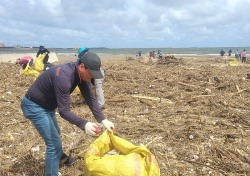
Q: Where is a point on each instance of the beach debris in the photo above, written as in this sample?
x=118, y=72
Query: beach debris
x=35, y=148
x=169, y=59
x=153, y=99
x=205, y=131
x=129, y=58
x=207, y=91
x=248, y=75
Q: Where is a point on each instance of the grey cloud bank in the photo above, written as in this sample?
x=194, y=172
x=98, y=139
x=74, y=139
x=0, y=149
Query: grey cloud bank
x=125, y=24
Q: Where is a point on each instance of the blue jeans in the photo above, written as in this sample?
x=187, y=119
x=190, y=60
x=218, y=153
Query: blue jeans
x=46, y=124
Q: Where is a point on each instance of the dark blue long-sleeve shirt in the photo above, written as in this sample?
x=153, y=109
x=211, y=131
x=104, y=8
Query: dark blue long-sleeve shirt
x=41, y=51
x=52, y=90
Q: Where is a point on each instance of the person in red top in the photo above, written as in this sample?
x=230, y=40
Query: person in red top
x=244, y=56
x=23, y=61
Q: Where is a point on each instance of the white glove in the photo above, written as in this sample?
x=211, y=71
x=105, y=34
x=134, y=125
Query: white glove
x=109, y=125
x=91, y=129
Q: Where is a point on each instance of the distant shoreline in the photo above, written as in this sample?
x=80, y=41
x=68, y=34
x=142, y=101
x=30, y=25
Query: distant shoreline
x=73, y=56
x=123, y=52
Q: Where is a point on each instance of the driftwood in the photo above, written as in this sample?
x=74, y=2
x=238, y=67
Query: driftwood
x=117, y=99
x=203, y=96
x=236, y=93
x=147, y=102
x=189, y=85
x=153, y=98
x=168, y=62
x=15, y=123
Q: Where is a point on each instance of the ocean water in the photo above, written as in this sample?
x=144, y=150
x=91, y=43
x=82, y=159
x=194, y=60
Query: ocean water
x=132, y=51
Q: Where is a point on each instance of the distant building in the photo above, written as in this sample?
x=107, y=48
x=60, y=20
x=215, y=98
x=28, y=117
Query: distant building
x=2, y=45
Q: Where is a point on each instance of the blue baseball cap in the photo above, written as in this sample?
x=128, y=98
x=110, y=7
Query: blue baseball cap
x=82, y=50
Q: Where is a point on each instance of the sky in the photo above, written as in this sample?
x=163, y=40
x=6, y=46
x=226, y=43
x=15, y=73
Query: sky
x=125, y=23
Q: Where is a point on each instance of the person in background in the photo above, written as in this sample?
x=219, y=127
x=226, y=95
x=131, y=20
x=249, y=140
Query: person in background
x=222, y=52
x=237, y=54
x=159, y=53
x=153, y=54
x=82, y=51
x=150, y=54
x=43, y=50
x=229, y=52
x=136, y=55
x=99, y=93
x=24, y=61
x=97, y=83
x=139, y=53
x=244, y=56
x=46, y=62
x=52, y=90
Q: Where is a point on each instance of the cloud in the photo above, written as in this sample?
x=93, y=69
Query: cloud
x=134, y=23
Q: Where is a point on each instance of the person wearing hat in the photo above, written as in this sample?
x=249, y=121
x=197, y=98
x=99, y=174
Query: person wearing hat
x=52, y=90
x=82, y=51
x=43, y=50
x=97, y=83
x=24, y=61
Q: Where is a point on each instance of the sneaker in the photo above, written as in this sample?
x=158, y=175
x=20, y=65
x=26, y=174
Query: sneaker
x=66, y=160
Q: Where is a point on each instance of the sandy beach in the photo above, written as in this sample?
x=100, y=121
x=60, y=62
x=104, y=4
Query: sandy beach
x=192, y=113
x=53, y=57
x=12, y=57
x=103, y=56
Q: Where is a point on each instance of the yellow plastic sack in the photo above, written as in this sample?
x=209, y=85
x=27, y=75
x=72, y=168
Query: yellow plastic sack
x=233, y=62
x=38, y=64
x=29, y=71
x=77, y=90
x=131, y=161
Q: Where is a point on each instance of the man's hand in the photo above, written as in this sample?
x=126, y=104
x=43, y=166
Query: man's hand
x=91, y=129
x=108, y=125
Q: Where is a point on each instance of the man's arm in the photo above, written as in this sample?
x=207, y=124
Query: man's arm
x=46, y=51
x=62, y=93
x=85, y=88
x=38, y=53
